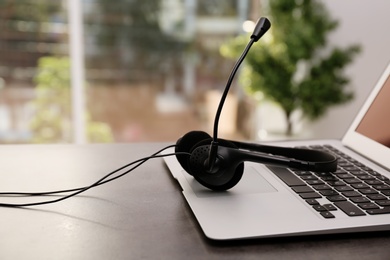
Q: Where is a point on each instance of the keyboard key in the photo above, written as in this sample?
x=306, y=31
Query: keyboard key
x=383, y=203
x=351, y=194
x=336, y=198
x=376, y=197
x=360, y=186
x=314, y=182
x=351, y=168
x=309, y=177
x=368, y=191
x=368, y=206
x=385, y=210
x=339, y=171
x=327, y=214
x=302, y=173
x=374, y=173
x=382, y=187
x=383, y=178
x=359, y=199
x=358, y=173
x=323, y=174
x=329, y=178
x=286, y=176
x=344, y=163
x=373, y=182
x=343, y=188
x=353, y=181
x=312, y=202
x=302, y=189
x=329, y=207
x=310, y=195
x=345, y=176
x=349, y=208
x=366, y=177
x=358, y=164
x=336, y=183
x=319, y=208
x=386, y=192
x=321, y=187
x=329, y=192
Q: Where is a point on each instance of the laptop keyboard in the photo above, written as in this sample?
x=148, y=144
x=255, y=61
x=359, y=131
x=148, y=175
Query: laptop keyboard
x=354, y=188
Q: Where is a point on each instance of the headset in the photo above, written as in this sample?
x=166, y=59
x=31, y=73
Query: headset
x=217, y=164
x=229, y=164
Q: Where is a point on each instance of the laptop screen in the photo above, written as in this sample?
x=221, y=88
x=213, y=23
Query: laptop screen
x=375, y=124
x=369, y=134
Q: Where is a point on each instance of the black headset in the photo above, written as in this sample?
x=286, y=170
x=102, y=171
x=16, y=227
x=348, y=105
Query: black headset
x=218, y=164
x=231, y=155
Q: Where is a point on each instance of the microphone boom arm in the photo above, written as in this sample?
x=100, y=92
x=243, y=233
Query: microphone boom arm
x=261, y=28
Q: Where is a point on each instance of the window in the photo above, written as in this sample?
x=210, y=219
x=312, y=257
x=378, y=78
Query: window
x=150, y=68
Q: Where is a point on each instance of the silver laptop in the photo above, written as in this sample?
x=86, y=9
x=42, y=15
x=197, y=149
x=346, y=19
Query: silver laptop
x=356, y=198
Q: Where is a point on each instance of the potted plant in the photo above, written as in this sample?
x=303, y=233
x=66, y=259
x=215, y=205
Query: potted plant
x=293, y=66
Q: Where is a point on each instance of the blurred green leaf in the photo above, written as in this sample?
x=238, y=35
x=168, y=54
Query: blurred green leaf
x=52, y=119
x=292, y=65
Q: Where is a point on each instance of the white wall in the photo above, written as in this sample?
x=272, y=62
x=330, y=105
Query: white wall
x=366, y=22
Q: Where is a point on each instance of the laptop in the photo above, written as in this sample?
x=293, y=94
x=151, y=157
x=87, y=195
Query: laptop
x=281, y=202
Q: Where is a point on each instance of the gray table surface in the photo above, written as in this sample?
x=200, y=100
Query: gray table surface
x=142, y=215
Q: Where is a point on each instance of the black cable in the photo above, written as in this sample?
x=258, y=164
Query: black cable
x=83, y=189
x=45, y=193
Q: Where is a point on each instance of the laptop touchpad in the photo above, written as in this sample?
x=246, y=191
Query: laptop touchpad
x=251, y=182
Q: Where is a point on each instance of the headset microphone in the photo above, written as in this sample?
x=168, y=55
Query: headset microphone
x=262, y=26
x=218, y=164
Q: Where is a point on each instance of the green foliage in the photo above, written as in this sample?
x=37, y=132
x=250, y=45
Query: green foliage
x=292, y=65
x=52, y=120
x=27, y=10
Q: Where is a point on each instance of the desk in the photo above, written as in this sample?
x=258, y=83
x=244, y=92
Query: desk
x=139, y=216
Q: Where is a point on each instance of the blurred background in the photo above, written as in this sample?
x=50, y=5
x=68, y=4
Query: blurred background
x=94, y=71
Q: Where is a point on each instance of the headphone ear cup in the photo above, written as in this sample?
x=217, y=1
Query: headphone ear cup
x=186, y=143
x=227, y=175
